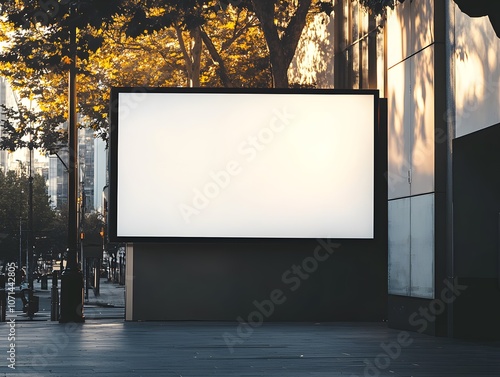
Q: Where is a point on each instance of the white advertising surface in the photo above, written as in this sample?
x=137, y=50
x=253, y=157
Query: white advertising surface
x=245, y=165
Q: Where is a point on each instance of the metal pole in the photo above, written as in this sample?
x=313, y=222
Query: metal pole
x=20, y=264
x=54, y=294
x=450, y=106
x=29, y=260
x=71, y=277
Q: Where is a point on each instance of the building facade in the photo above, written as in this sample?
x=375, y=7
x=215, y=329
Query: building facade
x=6, y=98
x=444, y=196
x=19, y=160
x=86, y=165
x=439, y=70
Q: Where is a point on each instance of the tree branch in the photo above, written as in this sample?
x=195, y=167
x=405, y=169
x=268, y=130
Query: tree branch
x=196, y=54
x=294, y=29
x=214, y=54
x=187, y=58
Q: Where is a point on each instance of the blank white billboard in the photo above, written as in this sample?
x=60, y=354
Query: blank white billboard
x=236, y=164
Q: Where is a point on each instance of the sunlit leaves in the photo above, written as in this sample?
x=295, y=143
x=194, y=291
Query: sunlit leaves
x=240, y=42
x=146, y=43
x=27, y=128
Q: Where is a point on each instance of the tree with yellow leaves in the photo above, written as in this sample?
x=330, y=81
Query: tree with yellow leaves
x=227, y=50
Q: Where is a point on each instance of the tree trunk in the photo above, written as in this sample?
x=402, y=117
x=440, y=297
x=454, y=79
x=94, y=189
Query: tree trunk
x=264, y=10
x=281, y=50
x=196, y=54
x=214, y=54
x=192, y=57
x=279, y=65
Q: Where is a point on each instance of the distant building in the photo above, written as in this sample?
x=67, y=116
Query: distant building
x=58, y=180
x=19, y=159
x=92, y=170
x=100, y=165
x=7, y=98
x=86, y=168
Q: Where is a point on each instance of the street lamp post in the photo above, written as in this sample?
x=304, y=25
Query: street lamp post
x=71, y=277
x=20, y=263
x=29, y=256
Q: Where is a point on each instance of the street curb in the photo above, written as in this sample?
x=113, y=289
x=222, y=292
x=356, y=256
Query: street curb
x=102, y=304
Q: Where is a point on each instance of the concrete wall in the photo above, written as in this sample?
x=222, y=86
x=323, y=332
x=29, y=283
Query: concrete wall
x=476, y=204
x=476, y=58
x=444, y=100
x=475, y=61
x=443, y=82
x=410, y=78
x=231, y=281
x=416, y=157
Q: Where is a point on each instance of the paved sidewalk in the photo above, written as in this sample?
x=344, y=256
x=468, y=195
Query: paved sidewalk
x=110, y=295
x=201, y=349
x=109, y=304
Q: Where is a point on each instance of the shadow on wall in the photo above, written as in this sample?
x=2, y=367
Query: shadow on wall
x=481, y=8
x=477, y=74
x=411, y=86
x=313, y=61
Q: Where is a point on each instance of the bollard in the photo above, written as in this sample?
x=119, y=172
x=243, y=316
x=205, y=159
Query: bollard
x=3, y=300
x=54, y=297
x=44, y=282
x=30, y=301
x=3, y=305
